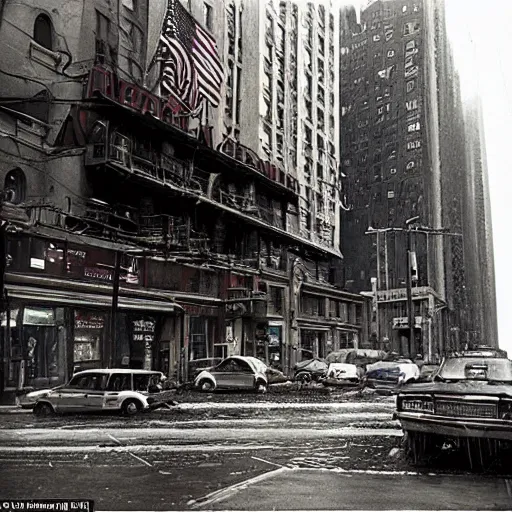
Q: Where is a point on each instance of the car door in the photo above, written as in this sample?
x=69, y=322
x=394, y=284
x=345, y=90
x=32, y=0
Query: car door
x=234, y=374
x=95, y=396
x=117, y=382
x=72, y=397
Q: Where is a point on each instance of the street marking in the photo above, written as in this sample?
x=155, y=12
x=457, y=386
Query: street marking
x=129, y=452
x=227, y=492
x=268, y=462
x=372, y=406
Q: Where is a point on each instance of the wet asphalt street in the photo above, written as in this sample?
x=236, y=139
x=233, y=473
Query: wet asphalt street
x=237, y=453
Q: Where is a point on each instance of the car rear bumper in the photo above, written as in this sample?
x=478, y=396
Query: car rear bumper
x=451, y=427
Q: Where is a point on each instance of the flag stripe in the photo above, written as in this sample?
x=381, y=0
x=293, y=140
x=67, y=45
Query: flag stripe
x=191, y=67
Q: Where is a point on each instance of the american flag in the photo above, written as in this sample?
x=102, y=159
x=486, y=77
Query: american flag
x=191, y=67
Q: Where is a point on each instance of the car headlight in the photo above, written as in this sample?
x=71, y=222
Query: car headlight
x=505, y=409
x=420, y=405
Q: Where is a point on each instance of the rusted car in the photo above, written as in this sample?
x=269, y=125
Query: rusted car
x=468, y=399
x=234, y=373
x=106, y=390
x=390, y=375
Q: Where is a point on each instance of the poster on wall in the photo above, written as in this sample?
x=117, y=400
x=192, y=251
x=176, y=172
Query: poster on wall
x=143, y=336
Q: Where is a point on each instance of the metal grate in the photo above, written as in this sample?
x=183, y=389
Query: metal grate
x=449, y=408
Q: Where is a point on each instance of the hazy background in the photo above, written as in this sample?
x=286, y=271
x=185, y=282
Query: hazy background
x=481, y=36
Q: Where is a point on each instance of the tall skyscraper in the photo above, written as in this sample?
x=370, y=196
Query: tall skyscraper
x=480, y=268
x=403, y=158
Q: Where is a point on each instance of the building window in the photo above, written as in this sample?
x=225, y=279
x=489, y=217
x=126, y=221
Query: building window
x=414, y=145
x=15, y=186
x=275, y=300
x=411, y=105
x=391, y=53
x=392, y=170
x=376, y=38
x=414, y=127
x=208, y=15
x=410, y=85
x=410, y=165
x=43, y=31
x=391, y=194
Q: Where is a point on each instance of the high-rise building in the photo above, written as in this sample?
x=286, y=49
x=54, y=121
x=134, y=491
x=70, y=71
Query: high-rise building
x=281, y=98
x=402, y=152
x=480, y=268
x=133, y=236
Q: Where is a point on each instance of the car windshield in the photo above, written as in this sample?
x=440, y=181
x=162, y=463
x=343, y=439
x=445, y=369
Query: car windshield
x=476, y=368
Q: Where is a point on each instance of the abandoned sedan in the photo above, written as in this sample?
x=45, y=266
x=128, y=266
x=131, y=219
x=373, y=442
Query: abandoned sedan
x=236, y=372
x=470, y=398
x=121, y=390
x=391, y=375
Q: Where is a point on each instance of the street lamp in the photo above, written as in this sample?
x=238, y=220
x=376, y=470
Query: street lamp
x=410, y=307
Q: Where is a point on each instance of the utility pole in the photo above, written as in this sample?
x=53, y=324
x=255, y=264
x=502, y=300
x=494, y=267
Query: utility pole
x=408, y=229
x=410, y=305
x=113, y=313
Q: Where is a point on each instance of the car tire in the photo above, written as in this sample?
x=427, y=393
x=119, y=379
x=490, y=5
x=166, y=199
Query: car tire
x=131, y=407
x=303, y=377
x=261, y=387
x=43, y=410
x=206, y=385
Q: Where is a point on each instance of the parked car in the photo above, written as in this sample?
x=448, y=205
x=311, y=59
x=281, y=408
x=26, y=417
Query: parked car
x=390, y=375
x=196, y=366
x=235, y=372
x=310, y=370
x=121, y=390
x=342, y=374
x=470, y=398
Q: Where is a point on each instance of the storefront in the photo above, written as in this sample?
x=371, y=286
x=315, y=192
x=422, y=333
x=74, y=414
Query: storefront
x=48, y=333
x=314, y=341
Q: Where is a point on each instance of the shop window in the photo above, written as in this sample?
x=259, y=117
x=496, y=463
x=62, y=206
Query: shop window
x=43, y=31
x=88, y=336
x=198, y=332
x=15, y=186
x=46, y=256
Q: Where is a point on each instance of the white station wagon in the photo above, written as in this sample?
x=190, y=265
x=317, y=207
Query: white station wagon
x=122, y=390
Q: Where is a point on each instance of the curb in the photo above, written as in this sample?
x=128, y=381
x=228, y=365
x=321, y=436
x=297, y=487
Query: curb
x=13, y=410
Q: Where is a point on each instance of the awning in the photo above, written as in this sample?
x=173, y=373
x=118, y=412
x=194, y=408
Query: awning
x=71, y=298
x=314, y=327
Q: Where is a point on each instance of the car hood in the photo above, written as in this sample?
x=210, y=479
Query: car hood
x=460, y=388
x=312, y=365
x=39, y=393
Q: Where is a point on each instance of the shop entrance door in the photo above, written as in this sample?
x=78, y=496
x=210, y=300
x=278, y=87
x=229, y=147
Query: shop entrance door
x=42, y=348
